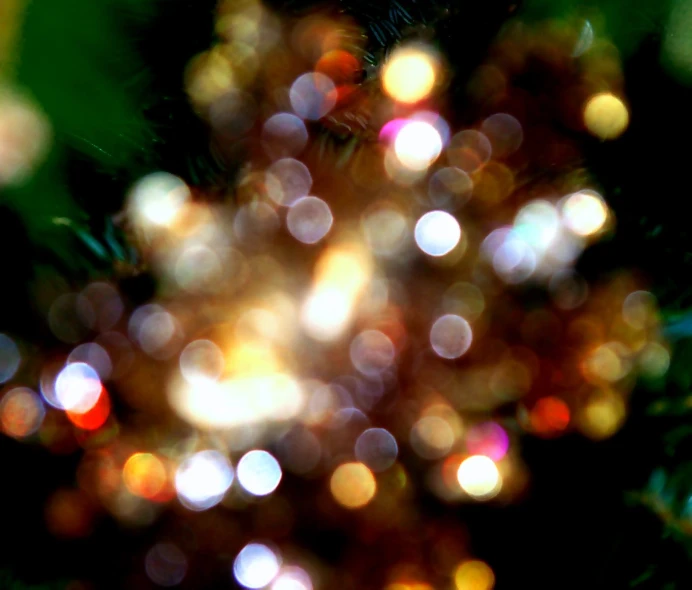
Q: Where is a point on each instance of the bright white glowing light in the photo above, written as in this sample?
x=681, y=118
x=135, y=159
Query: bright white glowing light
x=256, y=566
x=292, y=578
x=201, y=360
x=312, y=96
x=417, y=145
x=584, y=212
x=326, y=313
x=479, y=477
x=409, y=75
x=259, y=473
x=451, y=336
x=158, y=198
x=237, y=401
x=203, y=479
x=77, y=388
x=309, y=220
x=437, y=233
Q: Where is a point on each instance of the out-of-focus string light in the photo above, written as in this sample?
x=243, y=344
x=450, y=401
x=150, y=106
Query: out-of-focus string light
x=437, y=233
x=288, y=180
x=77, y=388
x=352, y=485
x=489, y=439
x=372, y=352
x=201, y=361
x=410, y=74
x=95, y=417
x=479, y=477
x=341, y=275
x=284, y=136
x=259, y=473
x=377, y=448
x=25, y=136
x=474, y=575
x=165, y=564
x=606, y=116
x=157, y=199
x=312, y=96
x=309, y=220
x=9, y=358
x=584, y=212
x=292, y=578
x=450, y=336
x=256, y=566
x=93, y=355
x=432, y=437
x=202, y=480
x=21, y=412
x=603, y=415
x=469, y=150
x=144, y=475
x=504, y=133
x=236, y=401
x=450, y=187
x=550, y=416
x=417, y=145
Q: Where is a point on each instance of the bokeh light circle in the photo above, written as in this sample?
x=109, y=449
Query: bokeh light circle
x=437, y=233
x=353, y=485
x=451, y=336
x=202, y=479
x=259, y=473
x=309, y=220
x=256, y=566
x=479, y=477
x=377, y=448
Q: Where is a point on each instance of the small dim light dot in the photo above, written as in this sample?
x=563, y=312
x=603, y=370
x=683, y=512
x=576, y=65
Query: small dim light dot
x=409, y=75
x=474, y=575
x=585, y=213
x=479, y=477
x=144, y=475
x=352, y=485
x=606, y=116
x=165, y=564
